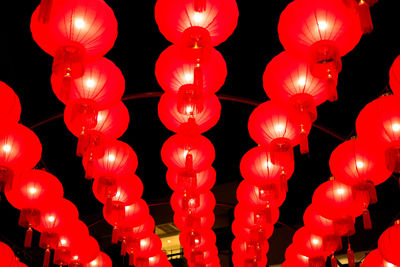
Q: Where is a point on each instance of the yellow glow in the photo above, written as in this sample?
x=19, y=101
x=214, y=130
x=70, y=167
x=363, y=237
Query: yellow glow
x=6, y=148
x=80, y=23
x=169, y=241
x=340, y=191
x=279, y=127
x=143, y=242
x=90, y=83
x=196, y=241
x=268, y=164
x=315, y=241
x=63, y=242
x=322, y=25
x=198, y=17
x=93, y=263
x=189, y=109
x=396, y=127
x=301, y=81
x=118, y=194
x=152, y=259
x=360, y=164
x=111, y=157
x=51, y=218
x=99, y=118
x=189, y=77
x=76, y=257
x=32, y=190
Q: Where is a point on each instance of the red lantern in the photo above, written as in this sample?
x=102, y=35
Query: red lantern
x=85, y=251
x=193, y=239
x=252, y=217
x=242, y=260
x=362, y=8
x=7, y=255
x=196, y=182
x=74, y=32
x=158, y=259
x=119, y=159
x=388, y=244
x=145, y=247
x=197, y=257
x=374, y=259
x=380, y=121
x=10, y=107
x=295, y=87
x=101, y=82
x=30, y=194
x=136, y=232
x=251, y=250
x=192, y=203
x=394, y=76
x=20, y=150
x=259, y=234
x=195, y=153
x=320, y=32
x=257, y=168
x=294, y=257
x=102, y=260
x=177, y=121
x=273, y=126
x=190, y=222
x=173, y=71
x=95, y=127
x=215, y=19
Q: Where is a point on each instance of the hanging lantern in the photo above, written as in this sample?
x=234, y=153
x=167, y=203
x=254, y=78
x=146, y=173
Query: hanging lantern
x=201, y=257
x=145, y=247
x=7, y=255
x=94, y=127
x=362, y=7
x=388, y=244
x=294, y=87
x=259, y=234
x=121, y=191
x=380, y=121
x=374, y=259
x=158, y=259
x=119, y=159
x=85, y=251
x=188, y=153
x=74, y=32
x=102, y=260
x=251, y=249
x=101, y=82
x=30, y=194
x=122, y=216
x=256, y=217
x=295, y=258
x=20, y=150
x=320, y=32
x=10, y=107
x=394, y=76
x=273, y=126
x=193, y=204
x=173, y=70
x=195, y=182
x=190, y=222
x=196, y=20
x=242, y=260
x=257, y=168
x=201, y=239
x=177, y=121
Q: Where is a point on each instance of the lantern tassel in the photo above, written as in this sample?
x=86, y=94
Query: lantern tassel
x=268, y=215
x=123, y=248
x=350, y=257
x=46, y=260
x=45, y=10
x=367, y=219
x=28, y=238
x=365, y=16
x=284, y=185
x=108, y=205
x=373, y=197
x=331, y=84
x=304, y=149
x=114, y=236
x=89, y=174
x=131, y=259
x=333, y=261
x=66, y=85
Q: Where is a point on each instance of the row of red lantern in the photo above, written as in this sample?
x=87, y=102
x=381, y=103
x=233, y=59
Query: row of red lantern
x=315, y=34
x=358, y=165
x=39, y=195
x=190, y=72
x=77, y=35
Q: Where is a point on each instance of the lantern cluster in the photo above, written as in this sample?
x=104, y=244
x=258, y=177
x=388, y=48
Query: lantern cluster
x=38, y=194
x=191, y=71
x=7, y=257
x=78, y=34
x=357, y=166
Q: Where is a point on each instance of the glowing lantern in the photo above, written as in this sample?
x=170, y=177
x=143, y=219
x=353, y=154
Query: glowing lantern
x=292, y=256
x=190, y=222
x=30, y=194
x=362, y=7
x=259, y=234
x=188, y=153
x=199, y=182
x=118, y=160
x=215, y=19
x=273, y=126
x=374, y=259
x=174, y=71
x=143, y=248
x=380, y=121
x=242, y=260
x=20, y=150
x=201, y=257
x=158, y=259
x=10, y=107
x=295, y=87
x=74, y=32
x=102, y=260
x=177, y=121
x=102, y=82
x=7, y=255
x=202, y=239
x=394, y=76
x=257, y=168
x=253, y=217
x=388, y=244
x=193, y=204
x=251, y=250
x=94, y=127
x=320, y=32
x=85, y=251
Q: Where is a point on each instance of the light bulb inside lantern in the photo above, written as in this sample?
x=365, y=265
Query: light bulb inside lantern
x=100, y=118
x=80, y=23
x=32, y=190
x=118, y=194
x=51, y=218
x=152, y=259
x=268, y=164
x=189, y=110
x=90, y=83
x=198, y=17
x=63, y=242
x=6, y=148
x=322, y=25
x=279, y=127
x=315, y=241
x=396, y=127
x=360, y=164
x=143, y=242
x=189, y=78
x=340, y=191
x=111, y=157
x=93, y=263
x=197, y=241
x=75, y=257
x=301, y=81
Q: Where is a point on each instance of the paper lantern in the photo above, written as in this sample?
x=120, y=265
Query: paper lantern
x=10, y=107
x=177, y=121
x=251, y=249
x=158, y=259
x=101, y=82
x=253, y=216
x=85, y=251
x=242, y=260
x=259, y=234
x=74, y=32
x=173, y=70
x=178, y=19
x=192, y=203
x=20, y=150
x=379, y=121
x=188, y=153
x=294, y=257
x=145, y=247
x=364, y=14
x=388, y=244
x=138, y=231
x=320, y=32
x=196, y=182
x=394, y=76
x=191, y=222
x=198, y=257
x=203, y=239
x=374, y=259
x=102, y=260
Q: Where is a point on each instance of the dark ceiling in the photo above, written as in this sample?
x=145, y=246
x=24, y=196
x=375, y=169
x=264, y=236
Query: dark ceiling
x=27, y=69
